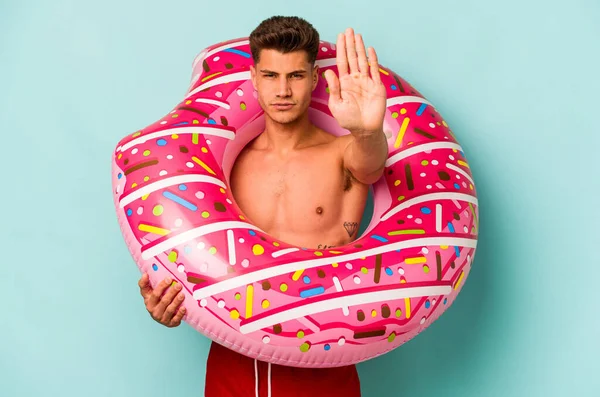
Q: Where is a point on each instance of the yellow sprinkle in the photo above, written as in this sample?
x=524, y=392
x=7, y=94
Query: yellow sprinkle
x=145, y=196
x=204, y=150
x=146, y=178
x=238, y=296
x=364, y=270
x=335, y=264
x=265, y=304
x=275, y=243
x=401, y=133
x=318, y=253
x=297, y=274
x=212, y=250
x=234, y=314
x=242, y=217
x=426, y=268
x=205, y=214
x=463, y=163
x=175, y=115
x=249, y=298
x=195, y=139
x=384, y=72
x=195, y=122
x=133, y=185
x=283, y=287
x=415, y=260
x=300, y=334
x=158, y=210
x=444, y=247
x=471, y=186
x=153, y=229
x=188, y=102
x=394, y=115
x=397, y=182
x=459, y=279
x=407, y=304
x=201, y=164
x=211, y=76
x=304, y=347
x=398, y=313
x=392, y=337
x=258, y=249
x=335, y=252
x=373, y=313
x=173, y=256
x=243, y=106
x=136, y=134
x=402, y=111
x=174, y=136
x=146, y=153
x=445, y=125
x=119, y=156
x=222, y=190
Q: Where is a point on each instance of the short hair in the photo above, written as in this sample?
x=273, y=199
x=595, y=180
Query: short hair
x=285, y=34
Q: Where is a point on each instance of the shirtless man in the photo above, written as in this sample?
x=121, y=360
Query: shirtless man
x=300, y=184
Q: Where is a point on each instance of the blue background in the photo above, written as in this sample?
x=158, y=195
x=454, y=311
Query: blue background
x=516, y=80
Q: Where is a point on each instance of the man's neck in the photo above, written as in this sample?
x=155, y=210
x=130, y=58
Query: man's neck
x=284, y=138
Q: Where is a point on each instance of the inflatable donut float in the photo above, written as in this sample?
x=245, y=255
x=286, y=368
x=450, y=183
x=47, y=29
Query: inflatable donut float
x=271, y=300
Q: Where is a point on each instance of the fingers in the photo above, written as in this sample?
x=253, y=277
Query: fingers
x=155, y=296
x=351, y=51
x=342, y=61
x=362, y=56
x=165, y=301
x=144, y=284
x=334, y=85
x=173, y=308
x=374, y=64
x=176, y=320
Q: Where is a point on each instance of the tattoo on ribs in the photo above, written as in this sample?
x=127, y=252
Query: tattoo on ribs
x=351, y=227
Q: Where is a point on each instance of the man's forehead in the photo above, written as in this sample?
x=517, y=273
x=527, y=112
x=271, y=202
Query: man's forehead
x=273, y=59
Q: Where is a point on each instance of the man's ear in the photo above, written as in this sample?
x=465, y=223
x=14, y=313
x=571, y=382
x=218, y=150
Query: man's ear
x=315, y=76
x=253, y=75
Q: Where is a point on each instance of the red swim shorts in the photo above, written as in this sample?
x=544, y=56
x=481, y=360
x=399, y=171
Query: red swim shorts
x=230, y=374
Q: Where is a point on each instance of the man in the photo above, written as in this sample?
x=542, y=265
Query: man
x=298, y=183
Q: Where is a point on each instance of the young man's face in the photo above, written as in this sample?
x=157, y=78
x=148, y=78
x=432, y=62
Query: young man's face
x=284, y=83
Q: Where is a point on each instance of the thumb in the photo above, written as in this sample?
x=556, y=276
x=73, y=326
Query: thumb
x=144, y=284
x=334, y=85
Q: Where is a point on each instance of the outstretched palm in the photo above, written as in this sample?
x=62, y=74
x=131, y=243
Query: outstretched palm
x=358, y=97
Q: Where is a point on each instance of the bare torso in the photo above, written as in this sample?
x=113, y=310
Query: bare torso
x=304, y=197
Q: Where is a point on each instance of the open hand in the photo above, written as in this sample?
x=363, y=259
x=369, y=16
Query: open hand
x=358, y=97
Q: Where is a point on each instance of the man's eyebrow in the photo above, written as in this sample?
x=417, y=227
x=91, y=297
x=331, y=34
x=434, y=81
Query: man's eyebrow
x=272, y=72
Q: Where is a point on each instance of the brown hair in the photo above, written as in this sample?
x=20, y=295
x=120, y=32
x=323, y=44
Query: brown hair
x=285, y=34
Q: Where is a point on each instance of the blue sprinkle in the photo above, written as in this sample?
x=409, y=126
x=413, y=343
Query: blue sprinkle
x=154, y=267
x=312, y=292
x=379, y=238
x=129, y=212
x=211, y=121
x=451, y=227
x=445, y=300
x=161, y=142
x=304, y=249
x=306, y=279
x=120, y=175
x=398, y=250
x=187, y=249
x=457, y=186
x=425, y=210
x=421, y=109
x=394, y=87
x=234, y=51
x=327, y=347
x=182, y=187
x=427, y=305
x=252, y=232
x=388, y=271
x=180, y=201
x=182, y=123
x=457, y=251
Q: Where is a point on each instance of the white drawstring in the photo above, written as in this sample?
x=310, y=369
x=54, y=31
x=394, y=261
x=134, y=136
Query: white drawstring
x=269, y=377
x=256, y=378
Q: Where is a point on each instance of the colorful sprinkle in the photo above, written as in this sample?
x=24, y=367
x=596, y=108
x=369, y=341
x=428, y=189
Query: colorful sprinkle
x=161, y=142
x=158, y=210
x=258, y=249
x=306, y=280
x=312, y=292
x=425, y=210
x=283, y=287
x=172, y=256
x=305, y=347
x=180, y=201
x=154, y=267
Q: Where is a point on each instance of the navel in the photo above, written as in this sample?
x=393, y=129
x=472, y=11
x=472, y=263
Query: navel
x=319, y=210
